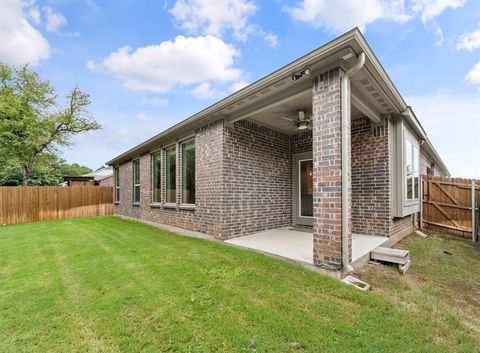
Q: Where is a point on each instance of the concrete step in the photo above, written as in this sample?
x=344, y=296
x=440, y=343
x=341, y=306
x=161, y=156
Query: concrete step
x=396, y=256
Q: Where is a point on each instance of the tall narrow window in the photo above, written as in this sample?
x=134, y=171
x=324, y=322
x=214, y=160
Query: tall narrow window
x=188, y=172
x=117, y=184
x=156, y=177
x=411, y=169
x=136, y=180
x=170, y=177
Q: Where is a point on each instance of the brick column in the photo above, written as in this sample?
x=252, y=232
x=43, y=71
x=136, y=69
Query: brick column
x=327, y=164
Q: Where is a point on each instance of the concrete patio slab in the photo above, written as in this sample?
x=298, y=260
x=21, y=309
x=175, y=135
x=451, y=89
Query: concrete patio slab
x=363, y=244
x=292, y=244
x=298, y=245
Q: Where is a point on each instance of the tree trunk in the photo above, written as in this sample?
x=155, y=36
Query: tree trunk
x=27, y=169
x=26, y=175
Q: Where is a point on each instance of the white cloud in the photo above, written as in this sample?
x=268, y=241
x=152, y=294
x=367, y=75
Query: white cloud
x=214, y=17
x=70, y=34
x=143, y=116
x=204, y=91
x=20, y=42
x=271, y=39
x=182, y=62
x=429, y=9
x=158, y=101
x=439, y=34
x=34, y=14
x=339, y=16
x=237, y=86
x=456, y=143
x=54, y=19
x=474, y=75
x=91, y=65
x=470, y=40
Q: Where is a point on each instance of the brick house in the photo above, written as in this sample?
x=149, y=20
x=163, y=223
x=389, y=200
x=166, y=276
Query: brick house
x=325, y=143
x=103, y=176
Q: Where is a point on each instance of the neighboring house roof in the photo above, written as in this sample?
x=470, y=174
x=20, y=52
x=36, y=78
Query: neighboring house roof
x=78, y=177
x=101, y=173
x=335, y=52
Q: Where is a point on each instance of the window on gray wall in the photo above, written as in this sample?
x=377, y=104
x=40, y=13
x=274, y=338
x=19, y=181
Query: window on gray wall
x=411, y=169
x=170, y=174
x=188, y=172
x=136, y=181
x=157, y=177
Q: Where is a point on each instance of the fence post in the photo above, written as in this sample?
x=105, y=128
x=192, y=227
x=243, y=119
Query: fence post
x=473, y=210
x=420, y=183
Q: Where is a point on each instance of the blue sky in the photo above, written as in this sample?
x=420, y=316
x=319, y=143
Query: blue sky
x=151, y=64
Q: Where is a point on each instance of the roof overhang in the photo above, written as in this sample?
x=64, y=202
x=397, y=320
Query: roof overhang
x=78, y=177
x=278, y=85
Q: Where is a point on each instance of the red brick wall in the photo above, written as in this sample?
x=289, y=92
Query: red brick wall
x=258, y=179
x=208, y=169
x=371, y=182
x=106, y=181
x=301, y=142
x=327, y=163
x=372, y=196
x=401, y=225
x=243, y=182
x=209, y=183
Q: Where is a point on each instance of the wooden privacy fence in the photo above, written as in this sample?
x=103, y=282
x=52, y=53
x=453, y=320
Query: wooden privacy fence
x=450, y=205
x=25, y=204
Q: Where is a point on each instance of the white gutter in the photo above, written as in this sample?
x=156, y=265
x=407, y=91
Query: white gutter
x=346, y=122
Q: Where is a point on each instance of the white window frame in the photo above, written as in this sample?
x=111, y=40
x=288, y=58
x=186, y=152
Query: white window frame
x=182, y=203
x=116, y=180
x=135, y=161
x=410, y=141
x=159, y=152
x=402, y=206
x=164, y=182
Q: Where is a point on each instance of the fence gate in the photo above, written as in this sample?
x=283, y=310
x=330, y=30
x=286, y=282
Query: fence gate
x=450, y=205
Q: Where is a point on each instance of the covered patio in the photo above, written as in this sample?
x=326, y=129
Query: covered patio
x=297, y=245
x=314, y=152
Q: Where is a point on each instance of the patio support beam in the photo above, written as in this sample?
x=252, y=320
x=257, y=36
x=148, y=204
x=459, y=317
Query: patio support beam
x=327, y=169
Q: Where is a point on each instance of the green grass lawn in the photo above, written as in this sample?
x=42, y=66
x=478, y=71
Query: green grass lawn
x=109, y=285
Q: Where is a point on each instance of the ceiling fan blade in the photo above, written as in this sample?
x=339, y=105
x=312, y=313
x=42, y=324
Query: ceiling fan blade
x=286, y=118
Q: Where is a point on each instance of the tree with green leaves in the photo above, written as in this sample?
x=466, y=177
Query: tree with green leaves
x=48, y=169
x=32, y=124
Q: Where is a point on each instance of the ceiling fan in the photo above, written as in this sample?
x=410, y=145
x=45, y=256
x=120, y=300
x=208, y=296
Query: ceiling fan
x=301, y=122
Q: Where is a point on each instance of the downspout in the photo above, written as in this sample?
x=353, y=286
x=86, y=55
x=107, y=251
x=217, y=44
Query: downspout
x=345, y=91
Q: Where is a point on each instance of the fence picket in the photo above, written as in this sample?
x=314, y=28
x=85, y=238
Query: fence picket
x=26, y=204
